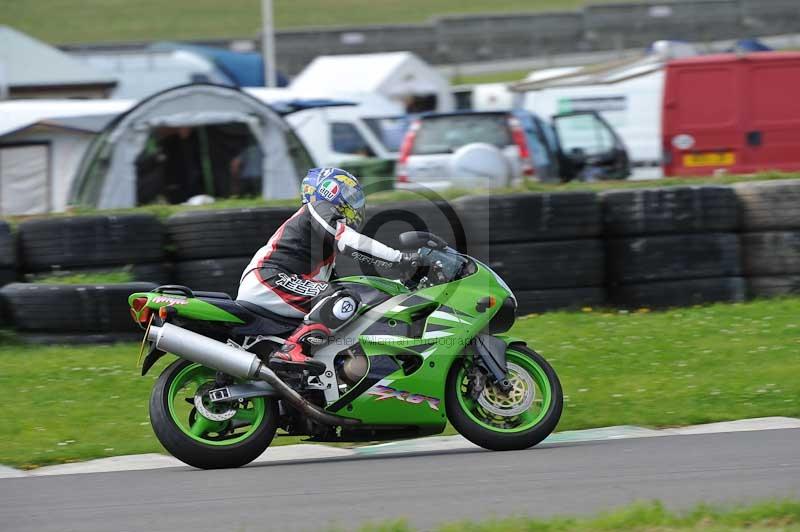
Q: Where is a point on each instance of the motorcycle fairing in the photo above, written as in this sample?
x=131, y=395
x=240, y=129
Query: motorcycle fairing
x=435, y=324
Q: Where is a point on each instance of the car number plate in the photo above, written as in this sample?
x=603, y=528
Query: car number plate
x=722, y=158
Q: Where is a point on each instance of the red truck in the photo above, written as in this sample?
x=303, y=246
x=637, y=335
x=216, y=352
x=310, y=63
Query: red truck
x=732, y=113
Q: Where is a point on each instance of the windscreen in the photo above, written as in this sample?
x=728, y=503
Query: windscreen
x=390, y=131
x=445, y=134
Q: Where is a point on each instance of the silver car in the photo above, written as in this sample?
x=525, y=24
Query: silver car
x=509, y=146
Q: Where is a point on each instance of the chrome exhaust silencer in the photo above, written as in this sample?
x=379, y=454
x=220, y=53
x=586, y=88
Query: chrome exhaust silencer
x=236, y=362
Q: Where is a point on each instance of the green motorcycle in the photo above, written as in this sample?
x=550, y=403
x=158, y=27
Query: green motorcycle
x=422, y=352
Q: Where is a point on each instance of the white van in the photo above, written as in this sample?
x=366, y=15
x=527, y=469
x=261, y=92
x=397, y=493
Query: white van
x=627, y=93
x=373, y=126
x=632, y=106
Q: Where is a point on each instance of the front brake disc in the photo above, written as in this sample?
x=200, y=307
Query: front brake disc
x=518, y=400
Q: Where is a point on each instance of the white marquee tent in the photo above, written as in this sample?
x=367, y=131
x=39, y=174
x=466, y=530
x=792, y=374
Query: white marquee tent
x=42, y=143
x=399, y=76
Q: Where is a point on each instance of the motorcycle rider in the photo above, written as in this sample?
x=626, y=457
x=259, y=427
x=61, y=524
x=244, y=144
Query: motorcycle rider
x=290, y=275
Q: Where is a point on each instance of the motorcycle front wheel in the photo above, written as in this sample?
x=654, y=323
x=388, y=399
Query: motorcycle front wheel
x=499, y=421
x=203, y=434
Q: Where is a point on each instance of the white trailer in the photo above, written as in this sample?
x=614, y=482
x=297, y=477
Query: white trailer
x=629, y=95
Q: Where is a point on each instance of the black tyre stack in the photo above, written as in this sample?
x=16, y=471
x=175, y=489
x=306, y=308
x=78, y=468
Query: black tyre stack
x=212, y=248
x=672, y=246
x=8, y=255
x=548, y=247
x=82, y=244
x=83, y=313
x=8, y=266
x=770, y=214
x=86, y=244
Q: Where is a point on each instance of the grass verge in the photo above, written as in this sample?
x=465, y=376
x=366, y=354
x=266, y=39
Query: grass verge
x=109, y=277
x=117, y=20
x=506, y=76
x=773, y=515
x=679, y=367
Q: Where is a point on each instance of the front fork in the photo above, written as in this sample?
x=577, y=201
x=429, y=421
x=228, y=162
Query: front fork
x=491, y=352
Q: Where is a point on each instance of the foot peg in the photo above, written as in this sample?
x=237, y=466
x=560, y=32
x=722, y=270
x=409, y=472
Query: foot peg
x=314, y=367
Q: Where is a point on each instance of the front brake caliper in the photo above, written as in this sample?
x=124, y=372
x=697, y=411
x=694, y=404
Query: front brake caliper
x=477, y=381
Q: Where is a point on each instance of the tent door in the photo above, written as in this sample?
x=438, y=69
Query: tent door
x=24, y=179
x=219, y=160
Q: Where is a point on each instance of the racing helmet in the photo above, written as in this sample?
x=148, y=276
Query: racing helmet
x=338, y=187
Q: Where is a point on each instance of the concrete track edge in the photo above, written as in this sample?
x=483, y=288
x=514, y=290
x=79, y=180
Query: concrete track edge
x=435, y=444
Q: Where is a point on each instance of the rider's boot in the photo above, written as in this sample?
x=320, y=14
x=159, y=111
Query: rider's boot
x=291, y=359
x=330, y=313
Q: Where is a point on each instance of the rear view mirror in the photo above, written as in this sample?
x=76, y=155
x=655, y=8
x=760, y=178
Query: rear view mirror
x=421, y=239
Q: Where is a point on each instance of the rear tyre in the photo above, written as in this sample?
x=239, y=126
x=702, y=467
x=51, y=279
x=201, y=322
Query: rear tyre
x=239, y=433
x=505, y=422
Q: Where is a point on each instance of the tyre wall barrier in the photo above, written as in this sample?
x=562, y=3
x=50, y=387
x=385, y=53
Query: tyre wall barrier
x=211, y=248
x=509, y=218
x=672, y=246
x=8, y=257
x=770, y=225
x=212, y=275
x=631, y=248
x=703, y=209
x=71, y=309
x=222, y=233
x=548, y=247
x=93, y=244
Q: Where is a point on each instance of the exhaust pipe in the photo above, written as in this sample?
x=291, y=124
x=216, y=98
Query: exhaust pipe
x=236, y=362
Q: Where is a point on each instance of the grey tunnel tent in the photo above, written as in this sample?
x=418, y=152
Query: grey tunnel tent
x=222, y=118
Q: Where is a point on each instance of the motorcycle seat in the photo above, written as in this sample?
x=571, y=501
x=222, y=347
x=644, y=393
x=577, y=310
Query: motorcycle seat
x=282, y=322
x=212, y=295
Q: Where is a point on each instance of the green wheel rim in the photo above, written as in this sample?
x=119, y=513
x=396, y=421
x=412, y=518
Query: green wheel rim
x=543, y=398
x=247, y=419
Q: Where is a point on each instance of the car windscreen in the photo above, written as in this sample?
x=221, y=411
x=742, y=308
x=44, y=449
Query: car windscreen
x=389, y=130
x=445, y=134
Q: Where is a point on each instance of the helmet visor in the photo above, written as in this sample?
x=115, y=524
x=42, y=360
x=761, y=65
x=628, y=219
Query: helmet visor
x=354, y=197
x=355, y=210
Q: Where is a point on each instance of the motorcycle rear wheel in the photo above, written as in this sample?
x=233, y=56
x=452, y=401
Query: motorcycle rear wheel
x=504, y=422
x=241, y=432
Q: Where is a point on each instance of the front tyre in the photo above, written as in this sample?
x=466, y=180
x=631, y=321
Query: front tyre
x=504, y=422
x=203, y=434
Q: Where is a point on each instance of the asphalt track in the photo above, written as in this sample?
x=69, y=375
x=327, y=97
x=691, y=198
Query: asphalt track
x=427, y=488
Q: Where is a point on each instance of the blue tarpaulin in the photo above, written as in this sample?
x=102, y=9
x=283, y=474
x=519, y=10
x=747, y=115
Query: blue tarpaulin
x=750, y=45
x=244, y=69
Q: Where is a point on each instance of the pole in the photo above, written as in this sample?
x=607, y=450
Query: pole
x=268, y=43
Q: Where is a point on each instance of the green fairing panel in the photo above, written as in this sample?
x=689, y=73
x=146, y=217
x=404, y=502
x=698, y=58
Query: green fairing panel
x=418, y=398
x=388, y=286
x=191, y=308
